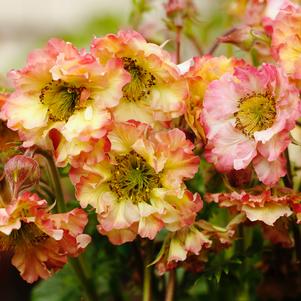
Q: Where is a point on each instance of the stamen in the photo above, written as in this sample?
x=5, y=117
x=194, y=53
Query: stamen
x=255, y=113
x=141, y=82
x=134, y=178
x=61, y=98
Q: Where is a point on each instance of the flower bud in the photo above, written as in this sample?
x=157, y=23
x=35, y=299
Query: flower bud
x=245, y=37
x=21, y=172
x=174, y=7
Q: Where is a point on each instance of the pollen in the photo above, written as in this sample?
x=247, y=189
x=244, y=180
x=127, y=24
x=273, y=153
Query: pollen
x=141, y=82
x=133, y=178
x=255, y=113
x=61, y=99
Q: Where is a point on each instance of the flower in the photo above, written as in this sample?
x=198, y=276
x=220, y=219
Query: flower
x=195, y=239
x=180, y=244
x=65, y=90
x=247, y=117
x=203, y=71
x=40, y=241
x=156, y=91
x=9, y=139
x=286, y=40
x=258, y=206
x=140, y=188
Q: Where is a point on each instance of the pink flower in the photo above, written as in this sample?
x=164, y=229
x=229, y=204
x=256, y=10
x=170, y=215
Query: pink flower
x=140, y=189
x=40, y=241
x=247, y=117
x=204, y=70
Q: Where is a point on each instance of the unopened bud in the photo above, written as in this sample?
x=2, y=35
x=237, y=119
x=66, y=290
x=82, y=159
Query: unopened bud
x=174, y=6
x=245, y=37
x=178, y=10
x=21, y=172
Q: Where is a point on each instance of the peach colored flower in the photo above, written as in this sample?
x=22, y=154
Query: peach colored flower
x=38, y=240
x=67, y=90
x=258, y=206
x=196, y=239
x=247, y=117
x=286, y=40
x=156, y=91
x=141, y=188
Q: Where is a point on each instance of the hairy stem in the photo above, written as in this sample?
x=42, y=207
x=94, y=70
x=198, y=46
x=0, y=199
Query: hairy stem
x=171, y=284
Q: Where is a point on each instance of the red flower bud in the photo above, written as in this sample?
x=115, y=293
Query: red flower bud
x=21, y=172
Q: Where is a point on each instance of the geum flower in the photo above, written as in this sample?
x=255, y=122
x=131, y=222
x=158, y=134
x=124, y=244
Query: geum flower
x=38, y=240
x=265, y=206
x=247, y=117
x=140, y=189
x=63, y=94
x=286, y=40
x=201, y=73
x=156, y=91
x=195, y=241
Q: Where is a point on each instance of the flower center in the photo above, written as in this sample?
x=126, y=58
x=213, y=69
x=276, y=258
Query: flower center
x=28, y=235
x=61, y=98
x=255, y=113
x=141, y=81
x=133, y=178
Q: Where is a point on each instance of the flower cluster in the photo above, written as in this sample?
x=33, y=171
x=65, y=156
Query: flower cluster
x=127, y=119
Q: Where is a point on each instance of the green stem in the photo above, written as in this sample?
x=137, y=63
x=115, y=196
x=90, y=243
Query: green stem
x=288, y=179
x=87, y=283
x=170, y=285
x=55, y=181
x=147, y=296
x=78, y=264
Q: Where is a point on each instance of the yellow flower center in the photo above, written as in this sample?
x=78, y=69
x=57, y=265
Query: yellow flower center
x=134, y=178
x=141, y=81
x=28, y=235
x=255, y=113
x=61, y=99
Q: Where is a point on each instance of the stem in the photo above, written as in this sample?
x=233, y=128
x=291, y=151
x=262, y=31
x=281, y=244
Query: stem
x=296, y=233
x=217, y=41
x=55, y=179
x=78, y=264
x=178, y=44
x=195, y=43
x=87, y=284
x=288, y=179
x=170, y=285
x=147, y=296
